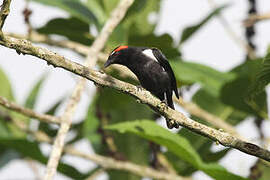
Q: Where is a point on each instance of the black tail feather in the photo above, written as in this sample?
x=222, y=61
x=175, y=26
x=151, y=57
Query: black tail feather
x=169, y=99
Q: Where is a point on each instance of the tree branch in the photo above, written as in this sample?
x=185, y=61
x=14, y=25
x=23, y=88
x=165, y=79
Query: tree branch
x=4, y=13
x=91, y=59
x=252, y=19
x=28, y=112
x=111, y=163
x=241, y=42
x=192, y=108
x=99, y=78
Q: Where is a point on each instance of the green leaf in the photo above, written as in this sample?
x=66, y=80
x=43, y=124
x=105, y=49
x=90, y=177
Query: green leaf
x=215, y=106
x=189, y=31
x=7, y=156
x=75, y=8
x=32, y=96
x=262, y=78
x=203, y=147
x=91, y=125
x=96, y=7
x=211, y=79
x=72, y=28
x=235, y=93
x=46, y=127
x=5, y=91
x=31, y=149
x=175, y=144
x=5, y=88
x=137, y=19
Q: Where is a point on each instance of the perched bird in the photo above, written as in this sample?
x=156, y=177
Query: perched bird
x=151, y=68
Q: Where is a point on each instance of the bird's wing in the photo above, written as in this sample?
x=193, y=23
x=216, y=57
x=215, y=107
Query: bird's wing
x=165, y=64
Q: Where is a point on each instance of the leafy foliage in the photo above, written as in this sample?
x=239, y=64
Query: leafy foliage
x=175, y=144
x=262, y=78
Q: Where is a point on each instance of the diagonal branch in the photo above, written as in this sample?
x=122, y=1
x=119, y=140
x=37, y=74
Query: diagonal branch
x=91, y=59
x=102, y=79
x=192, y=108
x=28, y=112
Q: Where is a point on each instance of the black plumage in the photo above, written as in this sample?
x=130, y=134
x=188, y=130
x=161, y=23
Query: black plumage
x=151, y=68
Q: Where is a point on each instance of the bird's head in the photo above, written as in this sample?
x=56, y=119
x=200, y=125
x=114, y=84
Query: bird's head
x=118, y=56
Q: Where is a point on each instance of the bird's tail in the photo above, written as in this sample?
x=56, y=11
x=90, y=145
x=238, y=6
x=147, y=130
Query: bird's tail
x=169, y=99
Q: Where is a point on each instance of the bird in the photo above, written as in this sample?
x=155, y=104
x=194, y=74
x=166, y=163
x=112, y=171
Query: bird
x=152, y=70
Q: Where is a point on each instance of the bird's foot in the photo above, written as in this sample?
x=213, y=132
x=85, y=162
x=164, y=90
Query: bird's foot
x=172, y=124
x=139, y=88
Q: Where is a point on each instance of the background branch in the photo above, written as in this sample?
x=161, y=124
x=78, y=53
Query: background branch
x=91, y=59
x=28, y=112
x=192, y=108
x=144, y=96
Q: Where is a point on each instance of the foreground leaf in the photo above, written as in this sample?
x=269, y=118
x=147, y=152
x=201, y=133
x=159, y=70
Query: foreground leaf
x=175, y=144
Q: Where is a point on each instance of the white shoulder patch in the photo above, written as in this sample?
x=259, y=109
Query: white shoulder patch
x=149, y=53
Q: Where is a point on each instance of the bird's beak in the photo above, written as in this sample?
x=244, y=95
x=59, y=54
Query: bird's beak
x=108, y=63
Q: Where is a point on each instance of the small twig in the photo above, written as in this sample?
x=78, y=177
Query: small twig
x=91, y=59
x=254, y=18
x=96, y=174
x=4, y=12
x=250, y=31
x=99, y=78
x=111, y=163
x=28, y=112
x=242, y=43
x=33, y=165
x=27, y=13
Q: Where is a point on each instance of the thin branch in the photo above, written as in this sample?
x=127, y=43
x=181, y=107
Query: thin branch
x=91, y=59
x=254, y=18
x=96, y=174
x=4, y=12
x=110, y=163
x=28, y=112
x=102, y=79
x=242, y=43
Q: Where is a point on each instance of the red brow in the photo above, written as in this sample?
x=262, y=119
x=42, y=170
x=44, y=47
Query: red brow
x=120, y=48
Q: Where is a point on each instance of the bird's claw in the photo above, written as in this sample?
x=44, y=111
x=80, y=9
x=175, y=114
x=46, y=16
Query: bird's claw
x=172, y=124
x=139, y=88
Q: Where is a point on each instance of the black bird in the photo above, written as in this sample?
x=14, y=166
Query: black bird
x=151, y=68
